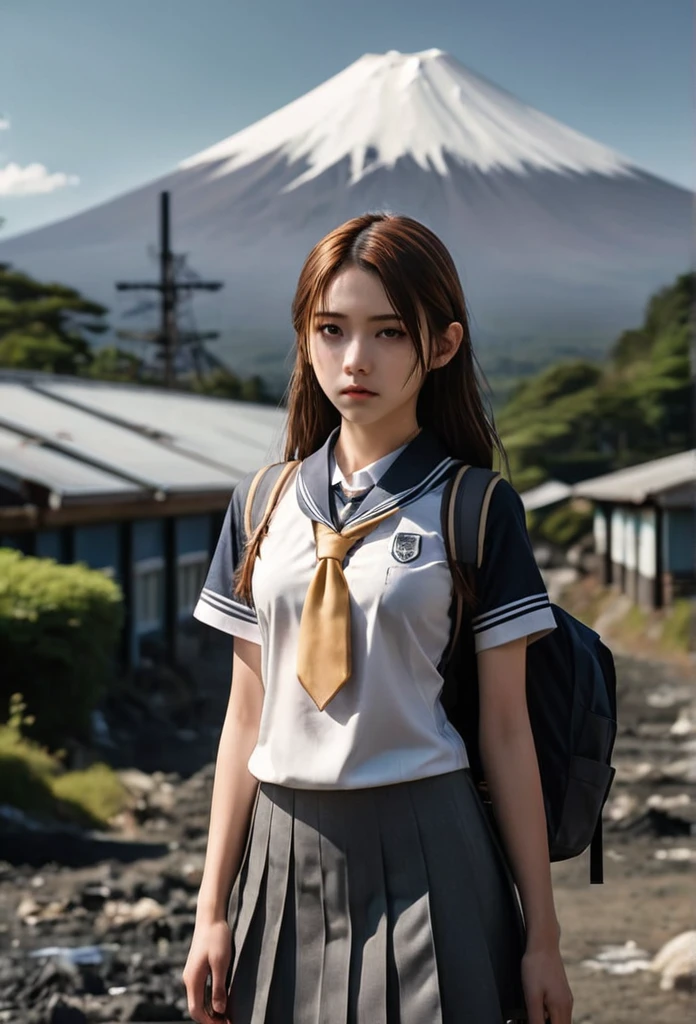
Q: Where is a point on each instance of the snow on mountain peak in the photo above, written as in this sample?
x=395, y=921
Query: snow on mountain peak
x=424, y=105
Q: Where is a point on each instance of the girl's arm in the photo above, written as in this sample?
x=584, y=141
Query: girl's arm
x=510, y=765
x=234, y=788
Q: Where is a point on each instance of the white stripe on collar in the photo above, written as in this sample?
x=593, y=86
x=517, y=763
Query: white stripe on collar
x=405, y=497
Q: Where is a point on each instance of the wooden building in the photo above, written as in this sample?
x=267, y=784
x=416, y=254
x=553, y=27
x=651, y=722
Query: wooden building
x=644, y=528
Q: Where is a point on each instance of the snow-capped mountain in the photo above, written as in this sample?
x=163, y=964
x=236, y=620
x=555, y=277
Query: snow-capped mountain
x=553, y=233
x=425, y=106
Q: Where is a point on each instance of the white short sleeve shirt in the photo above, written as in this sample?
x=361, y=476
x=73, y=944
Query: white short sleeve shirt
x=386, y=724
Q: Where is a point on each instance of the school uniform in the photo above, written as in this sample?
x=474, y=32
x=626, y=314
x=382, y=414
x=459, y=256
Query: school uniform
x=373, y=889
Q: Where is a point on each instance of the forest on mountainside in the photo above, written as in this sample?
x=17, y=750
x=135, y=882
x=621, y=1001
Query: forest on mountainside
x=579, y=418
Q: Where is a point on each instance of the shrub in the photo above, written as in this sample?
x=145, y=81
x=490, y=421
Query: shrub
x=59, y=626
x=678, y=632
x=565, y=525
x=97, y=790
x=35, y=781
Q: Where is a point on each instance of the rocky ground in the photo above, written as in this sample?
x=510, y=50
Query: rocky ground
x=106, y=938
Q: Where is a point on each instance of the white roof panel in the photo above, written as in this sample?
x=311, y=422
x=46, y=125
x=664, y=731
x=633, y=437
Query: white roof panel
x=28, y=460
x=637, y=483
x=153, y=463
x=236, y=436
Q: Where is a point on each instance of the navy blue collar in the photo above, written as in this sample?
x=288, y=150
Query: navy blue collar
x=422, y=465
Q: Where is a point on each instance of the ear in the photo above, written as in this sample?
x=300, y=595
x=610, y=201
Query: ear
x=448, y=343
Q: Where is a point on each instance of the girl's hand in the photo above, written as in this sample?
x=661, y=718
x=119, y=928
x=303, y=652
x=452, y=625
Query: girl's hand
x=546, y=989
x=209, y=955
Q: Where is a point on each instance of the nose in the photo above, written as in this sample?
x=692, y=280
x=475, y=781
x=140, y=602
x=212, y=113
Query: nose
x=357, y=356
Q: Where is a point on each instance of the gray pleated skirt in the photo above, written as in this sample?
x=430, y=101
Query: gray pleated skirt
x=387, y=905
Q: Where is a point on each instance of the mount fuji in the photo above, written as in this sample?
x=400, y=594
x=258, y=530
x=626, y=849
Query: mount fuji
x=555, y=236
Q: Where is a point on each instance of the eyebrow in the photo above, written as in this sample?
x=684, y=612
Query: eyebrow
x=343, y=316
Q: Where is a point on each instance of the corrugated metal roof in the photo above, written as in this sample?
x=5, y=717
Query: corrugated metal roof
x=545, y=494
x=234, y=436
x=165, y=449
x=24, y=459
x=635, y=484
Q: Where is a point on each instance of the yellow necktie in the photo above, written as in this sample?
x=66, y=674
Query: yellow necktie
x=323, y=653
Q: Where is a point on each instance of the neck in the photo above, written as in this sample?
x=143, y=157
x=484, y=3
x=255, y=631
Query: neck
x=358, y=446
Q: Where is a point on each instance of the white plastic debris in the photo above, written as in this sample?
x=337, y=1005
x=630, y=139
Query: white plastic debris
x=622, y=806
x=677, y=854
x=668, y=803
x=626, y=959
x=684, y=725
x=73, y=954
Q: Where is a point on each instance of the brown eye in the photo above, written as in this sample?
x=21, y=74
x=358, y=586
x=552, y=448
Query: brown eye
x=323, y=328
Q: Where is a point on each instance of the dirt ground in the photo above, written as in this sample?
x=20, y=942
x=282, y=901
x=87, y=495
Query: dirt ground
x=644, y=898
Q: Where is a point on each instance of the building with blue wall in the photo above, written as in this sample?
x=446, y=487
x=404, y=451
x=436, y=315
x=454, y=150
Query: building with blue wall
x=645, y=528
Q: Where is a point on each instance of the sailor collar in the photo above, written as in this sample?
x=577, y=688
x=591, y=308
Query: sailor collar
x=421, y=466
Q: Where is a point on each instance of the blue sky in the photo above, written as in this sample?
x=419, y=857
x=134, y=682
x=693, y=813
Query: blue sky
x=99, y=96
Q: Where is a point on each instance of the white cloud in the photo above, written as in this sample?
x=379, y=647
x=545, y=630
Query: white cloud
x=34, y=179
x=4, y=123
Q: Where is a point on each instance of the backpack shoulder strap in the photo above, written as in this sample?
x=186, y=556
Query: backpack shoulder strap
x=466, y=500
x=264, y=490
x=467, y=512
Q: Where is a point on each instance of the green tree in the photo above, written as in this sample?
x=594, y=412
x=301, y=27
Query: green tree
x=45, y=326
x=223, y=383
x=112, y=363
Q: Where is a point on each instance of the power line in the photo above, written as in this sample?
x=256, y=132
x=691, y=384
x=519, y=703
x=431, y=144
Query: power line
x=169, y=338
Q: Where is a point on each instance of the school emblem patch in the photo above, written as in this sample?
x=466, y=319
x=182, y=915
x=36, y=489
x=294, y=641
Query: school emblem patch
x=406, y=546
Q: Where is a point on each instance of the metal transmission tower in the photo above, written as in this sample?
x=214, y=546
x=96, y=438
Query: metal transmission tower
x=169, y=338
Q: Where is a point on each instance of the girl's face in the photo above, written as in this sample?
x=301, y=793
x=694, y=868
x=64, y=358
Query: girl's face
x=358, y=341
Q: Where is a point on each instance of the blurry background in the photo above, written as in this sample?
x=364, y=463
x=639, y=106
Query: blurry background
x=164, y=170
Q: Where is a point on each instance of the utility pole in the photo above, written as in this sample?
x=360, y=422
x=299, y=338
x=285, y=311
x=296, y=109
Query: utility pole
x=168, y=337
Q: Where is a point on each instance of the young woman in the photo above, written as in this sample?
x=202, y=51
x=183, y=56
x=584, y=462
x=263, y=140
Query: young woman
x=352, y=876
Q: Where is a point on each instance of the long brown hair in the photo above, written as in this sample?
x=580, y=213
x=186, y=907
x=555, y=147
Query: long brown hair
x=418, y=274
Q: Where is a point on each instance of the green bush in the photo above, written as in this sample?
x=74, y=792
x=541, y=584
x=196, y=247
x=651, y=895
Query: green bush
x=97, y=790
x=678, y=632
x=565, y=525
x=36, y=782
x=59, y=627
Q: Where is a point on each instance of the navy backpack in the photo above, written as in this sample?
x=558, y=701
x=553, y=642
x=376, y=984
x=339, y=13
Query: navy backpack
x=571, y=693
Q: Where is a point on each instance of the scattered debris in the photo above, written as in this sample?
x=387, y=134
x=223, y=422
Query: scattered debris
x=74, y=955
x=667, y=695
x=684, y=725
x=621, y=807
x=635, y=772
x=676, y=963
x=626, y=959
x=677, y=855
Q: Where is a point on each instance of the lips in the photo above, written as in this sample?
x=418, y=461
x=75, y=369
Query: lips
x=357, y=391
